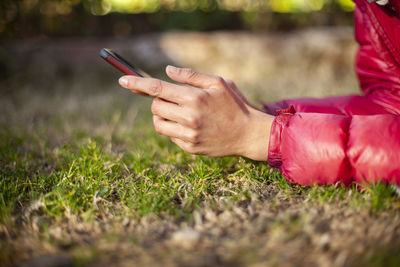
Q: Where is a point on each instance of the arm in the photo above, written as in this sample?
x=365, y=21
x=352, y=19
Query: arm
x=341, y=139
x=377, y=67
x=205, y=115
x=311, y=148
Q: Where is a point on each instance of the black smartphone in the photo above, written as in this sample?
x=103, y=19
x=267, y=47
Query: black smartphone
x=120, y=63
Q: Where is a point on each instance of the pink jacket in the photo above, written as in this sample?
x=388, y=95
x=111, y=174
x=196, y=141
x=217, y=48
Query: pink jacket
x=348, y=138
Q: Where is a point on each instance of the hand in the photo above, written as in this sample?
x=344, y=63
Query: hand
x=207, y=116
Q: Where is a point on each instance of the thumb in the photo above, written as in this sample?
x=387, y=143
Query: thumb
x=195, y=78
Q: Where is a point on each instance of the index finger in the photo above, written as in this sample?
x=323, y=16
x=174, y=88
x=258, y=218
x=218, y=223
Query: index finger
x=157, y=88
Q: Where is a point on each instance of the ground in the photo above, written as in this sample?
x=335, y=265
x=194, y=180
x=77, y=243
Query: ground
x=84, y=180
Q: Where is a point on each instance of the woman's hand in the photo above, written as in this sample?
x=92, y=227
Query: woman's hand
x=208, y=115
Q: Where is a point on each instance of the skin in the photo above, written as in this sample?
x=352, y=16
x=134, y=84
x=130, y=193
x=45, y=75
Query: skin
x=205, y=114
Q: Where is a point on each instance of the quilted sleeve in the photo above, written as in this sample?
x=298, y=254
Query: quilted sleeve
x=312, y=148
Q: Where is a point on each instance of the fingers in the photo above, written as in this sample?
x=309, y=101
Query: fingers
x=187, y=146
x=175, y=130
x=157, y=88
x=168, y=110
x=176, y=113
x=194, y=78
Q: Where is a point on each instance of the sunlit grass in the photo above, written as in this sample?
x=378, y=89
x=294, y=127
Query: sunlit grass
x=149, y=175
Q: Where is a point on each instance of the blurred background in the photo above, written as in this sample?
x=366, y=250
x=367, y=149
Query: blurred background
x=66, y=124
x=272, y=49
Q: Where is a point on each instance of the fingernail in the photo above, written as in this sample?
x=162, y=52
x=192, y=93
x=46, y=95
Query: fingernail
x=172, y=69
x=123, y=81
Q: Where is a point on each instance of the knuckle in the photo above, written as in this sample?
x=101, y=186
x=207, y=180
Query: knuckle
x=194, y=121
x=194, y=137
x=156, y=88
x=198, y=99
x=190, y=73
x=220, y=82
x=229, y=82
x=191, y=99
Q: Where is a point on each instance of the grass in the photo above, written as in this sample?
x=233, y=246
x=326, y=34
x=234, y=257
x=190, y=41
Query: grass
x=80, y=187
x=82, y=178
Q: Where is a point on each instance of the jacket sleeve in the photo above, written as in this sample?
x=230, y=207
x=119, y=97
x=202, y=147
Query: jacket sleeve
x=317, y=148
x=346, y=138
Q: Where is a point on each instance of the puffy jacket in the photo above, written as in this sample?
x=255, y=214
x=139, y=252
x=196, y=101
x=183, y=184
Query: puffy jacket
x=348, y=138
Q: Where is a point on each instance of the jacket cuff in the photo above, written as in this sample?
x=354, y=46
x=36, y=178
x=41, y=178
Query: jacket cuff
x=279, y=124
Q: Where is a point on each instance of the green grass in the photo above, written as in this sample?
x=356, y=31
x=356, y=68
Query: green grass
x=153, y=176
x=105, y=186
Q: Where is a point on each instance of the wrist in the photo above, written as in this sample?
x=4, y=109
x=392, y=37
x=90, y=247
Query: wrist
x=256, y=137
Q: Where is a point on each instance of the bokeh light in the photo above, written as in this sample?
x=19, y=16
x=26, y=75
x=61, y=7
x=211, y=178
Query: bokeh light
x=62, y=7
x=284, y=6
x=28, y=17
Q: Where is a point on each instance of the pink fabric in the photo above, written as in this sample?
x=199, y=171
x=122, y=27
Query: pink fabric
x=347, y=138
x=374, y=148
x=275, y=141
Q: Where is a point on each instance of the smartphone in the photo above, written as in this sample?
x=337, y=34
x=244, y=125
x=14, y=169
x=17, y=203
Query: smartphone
x=120, y=63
